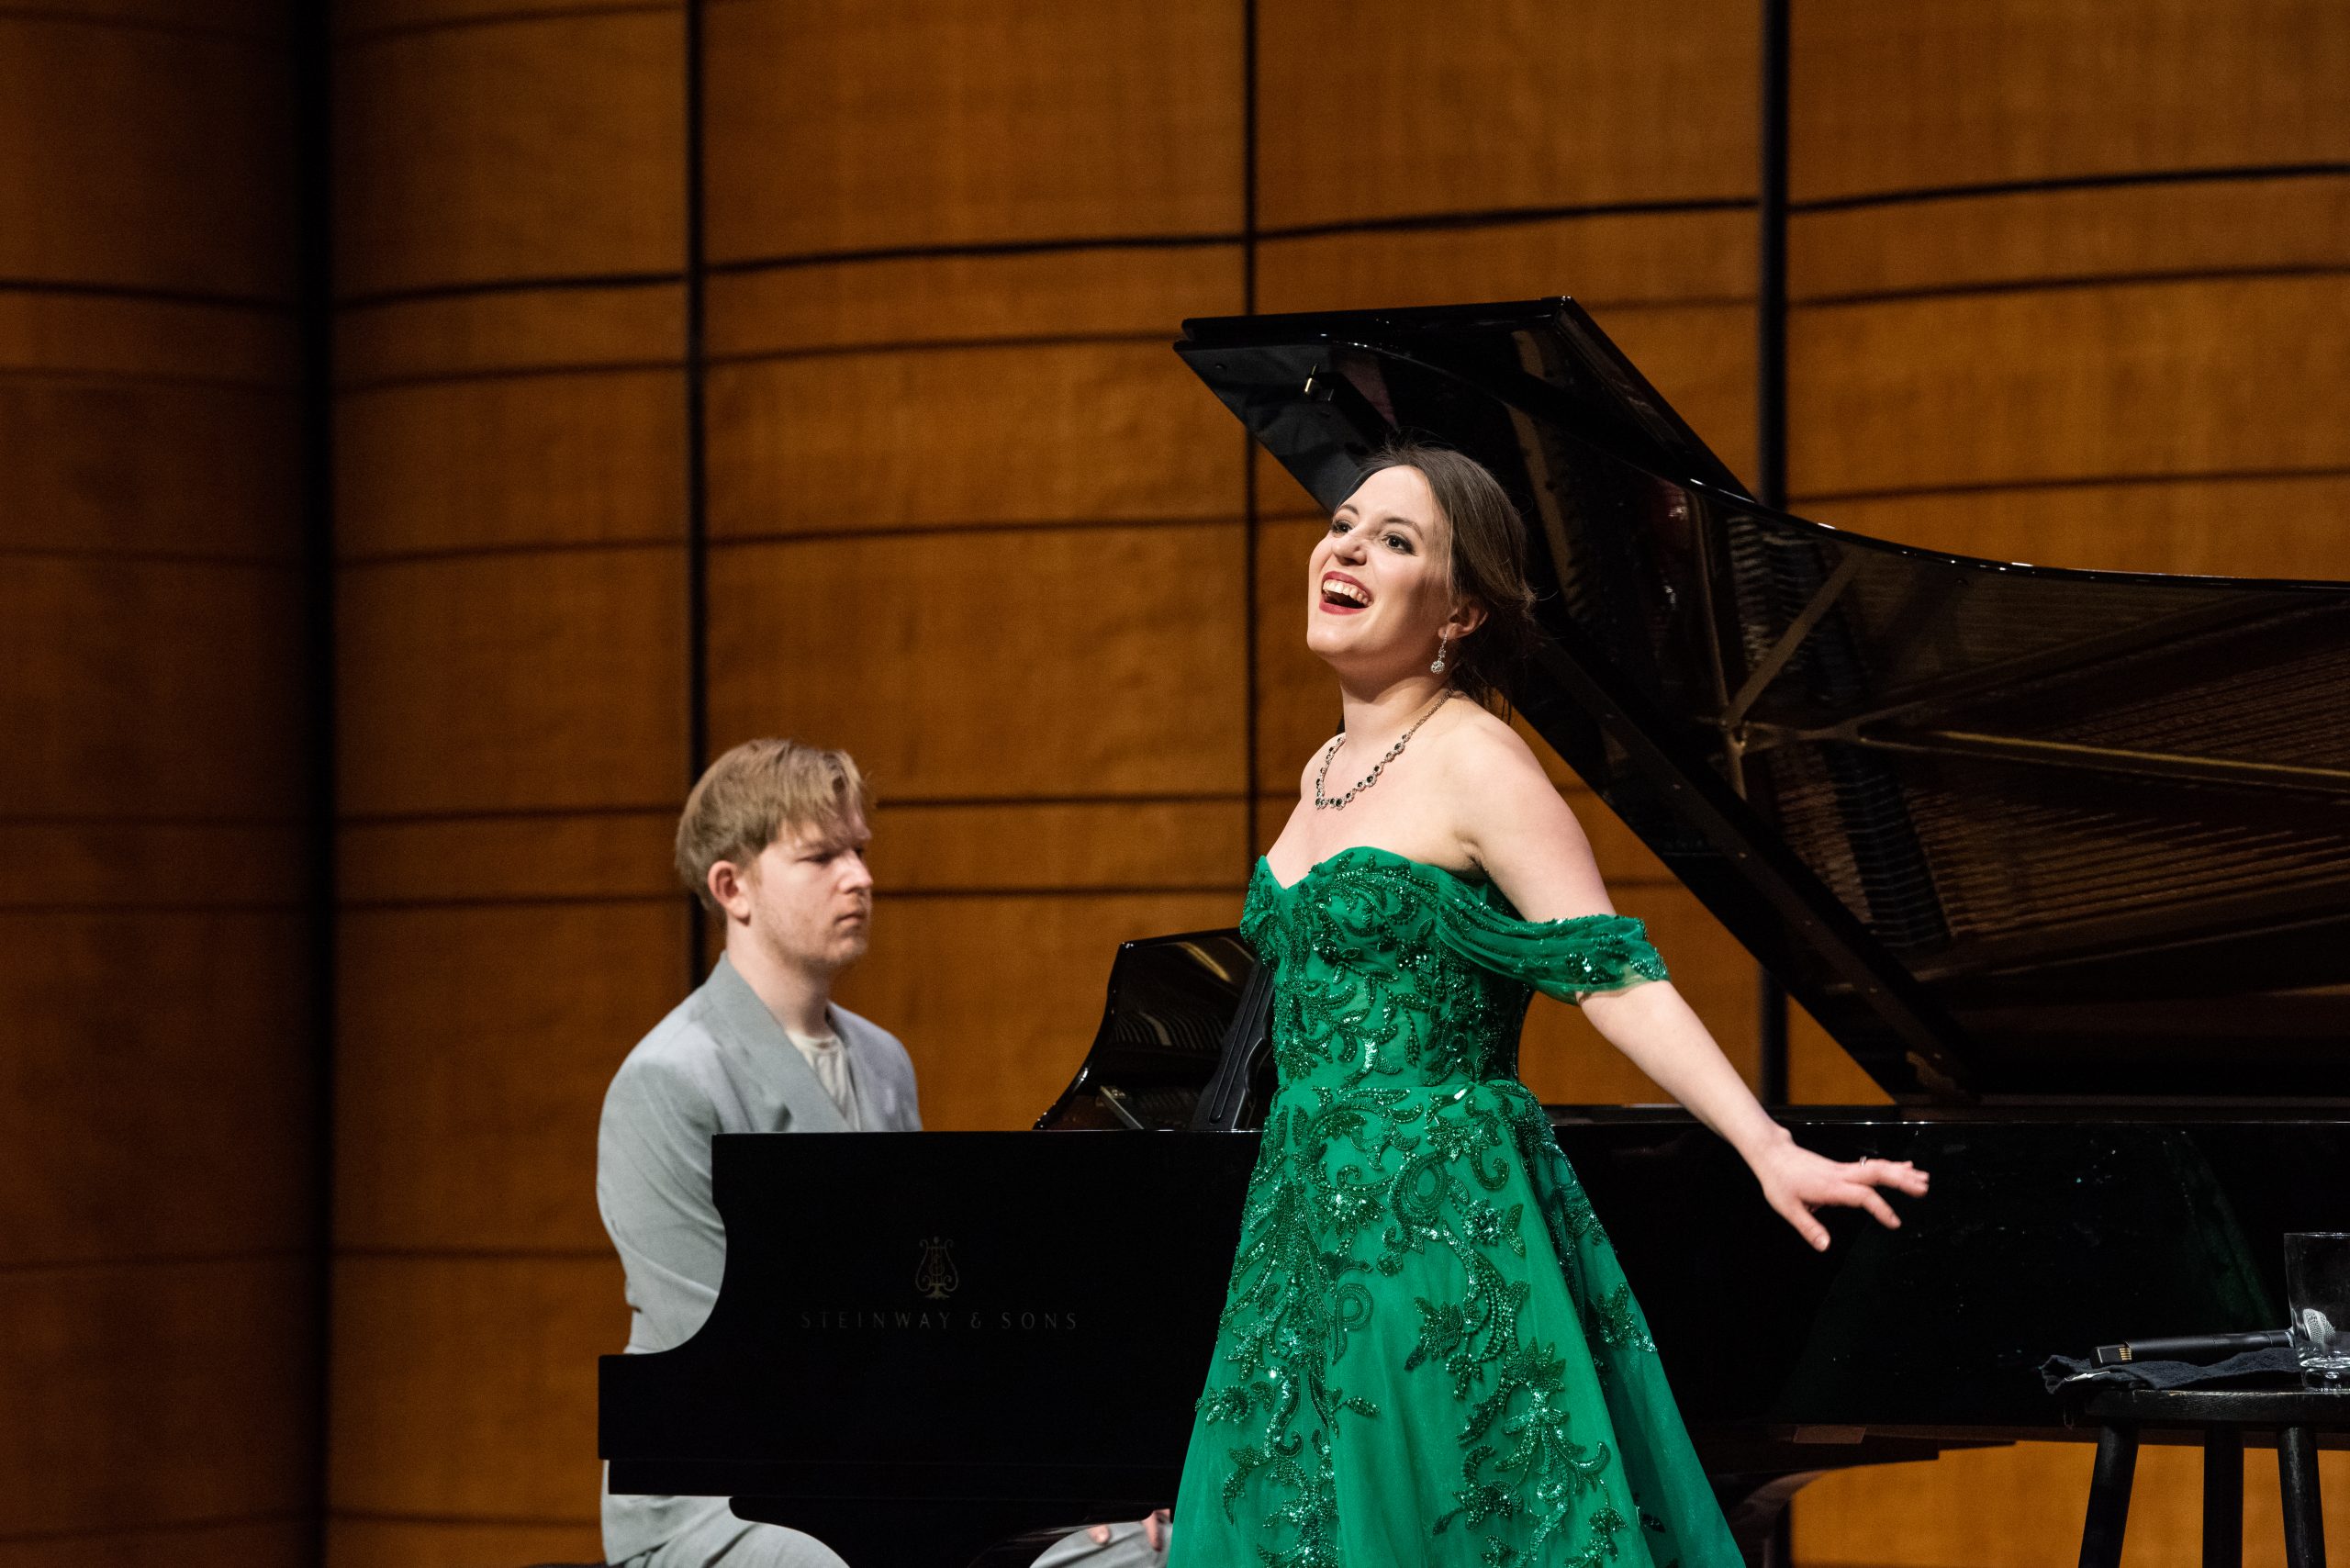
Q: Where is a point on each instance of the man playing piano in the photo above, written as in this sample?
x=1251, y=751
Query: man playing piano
x=772, y=840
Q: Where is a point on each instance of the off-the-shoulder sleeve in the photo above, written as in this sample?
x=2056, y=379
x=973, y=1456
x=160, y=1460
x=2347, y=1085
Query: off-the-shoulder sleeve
x=1567, y=958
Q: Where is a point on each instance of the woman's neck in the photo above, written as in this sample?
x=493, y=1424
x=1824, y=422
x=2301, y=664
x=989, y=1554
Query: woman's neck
x=1376, y=713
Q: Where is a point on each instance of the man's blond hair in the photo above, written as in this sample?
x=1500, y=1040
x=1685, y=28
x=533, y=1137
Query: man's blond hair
x=747, y=798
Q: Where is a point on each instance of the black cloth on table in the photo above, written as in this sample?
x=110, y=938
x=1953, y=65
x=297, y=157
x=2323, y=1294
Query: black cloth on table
x=2082, y=1374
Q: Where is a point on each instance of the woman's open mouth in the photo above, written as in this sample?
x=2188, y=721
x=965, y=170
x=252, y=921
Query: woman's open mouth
x=1341, y=595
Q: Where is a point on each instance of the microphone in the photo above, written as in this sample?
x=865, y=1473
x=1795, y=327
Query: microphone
x=2189, y=1347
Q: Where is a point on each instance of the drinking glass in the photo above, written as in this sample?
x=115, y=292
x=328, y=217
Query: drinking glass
x=2317, y=1290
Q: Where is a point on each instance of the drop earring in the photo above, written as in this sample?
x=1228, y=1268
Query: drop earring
x=1443, y=647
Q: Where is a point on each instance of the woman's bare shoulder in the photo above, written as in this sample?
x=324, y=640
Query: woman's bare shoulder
x=1477, y=740
x=1497, y=791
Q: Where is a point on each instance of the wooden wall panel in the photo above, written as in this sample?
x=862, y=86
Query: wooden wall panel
x=1378, y=110
x=2100, y=232
x=986, y=433
x=125, y=1018
x=284, y=1543
x=464, y=1389
x=2176, y=377
x=215, y=737
x=1611, y=260
x=50, y=863
x=109, y=404
x=91, y=463
x=521, y=859
x=511, y=610
x=358, y=19
x=144, y=159
x=457, y=336
x=846, y=125
x=518, y=150
x=488, y=1036
x=501, y=953
x=260, y=21
x=1102, y=291
x=1044, y=845
x=997, y=996
x=152, y=1393
x=158, y=1203
x=542, y=681
x=1903, y=97
x=472, y=1053
x=456, y=1543
x=568, y=457
x=978, y=664
x=109, y=335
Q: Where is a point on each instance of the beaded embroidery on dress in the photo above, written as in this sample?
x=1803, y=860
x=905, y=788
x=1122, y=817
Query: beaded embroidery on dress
x=1428, y=1353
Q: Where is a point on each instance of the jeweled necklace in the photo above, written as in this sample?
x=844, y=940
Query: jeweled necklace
x=1378, y=767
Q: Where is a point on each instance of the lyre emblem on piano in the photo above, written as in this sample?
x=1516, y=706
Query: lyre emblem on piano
x=934, y=1276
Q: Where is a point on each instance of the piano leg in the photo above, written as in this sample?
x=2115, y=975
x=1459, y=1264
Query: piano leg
x=2296, y=1474
x=2224, y=1498
x=2109, y=1516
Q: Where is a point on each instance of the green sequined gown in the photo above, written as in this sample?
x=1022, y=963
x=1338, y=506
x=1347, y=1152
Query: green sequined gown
x=1428, y=1354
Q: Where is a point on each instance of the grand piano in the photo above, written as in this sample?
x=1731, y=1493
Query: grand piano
x=2060, y=858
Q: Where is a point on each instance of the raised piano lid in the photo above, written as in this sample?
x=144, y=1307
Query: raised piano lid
x=2003, y=830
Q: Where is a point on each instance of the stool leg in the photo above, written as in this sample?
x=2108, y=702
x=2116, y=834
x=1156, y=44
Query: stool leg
x=2222, y=1497
x=2117, y=1465
x=2304, y=1522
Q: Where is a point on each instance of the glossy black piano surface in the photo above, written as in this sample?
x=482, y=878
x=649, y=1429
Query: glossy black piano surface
x=2061, y=859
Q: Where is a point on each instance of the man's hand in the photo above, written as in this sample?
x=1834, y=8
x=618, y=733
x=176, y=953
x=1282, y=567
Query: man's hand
x=1796, y=1182
x=1156, y=1529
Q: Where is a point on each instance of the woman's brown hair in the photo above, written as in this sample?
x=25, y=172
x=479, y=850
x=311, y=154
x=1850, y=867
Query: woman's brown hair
x=1487, y=562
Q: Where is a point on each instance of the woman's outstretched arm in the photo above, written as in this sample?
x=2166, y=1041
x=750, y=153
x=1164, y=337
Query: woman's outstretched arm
x=1512, y=822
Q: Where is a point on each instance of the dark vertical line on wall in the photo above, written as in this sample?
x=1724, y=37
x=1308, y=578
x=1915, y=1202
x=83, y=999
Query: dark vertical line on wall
x=697, y=471
x=1771, y=427
x=1247, y=441
x=310, y=61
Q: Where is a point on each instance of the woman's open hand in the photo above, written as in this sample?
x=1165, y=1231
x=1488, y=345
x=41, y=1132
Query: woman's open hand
x=1796, y=1181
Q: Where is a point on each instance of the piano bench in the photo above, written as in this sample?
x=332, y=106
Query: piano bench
x=2295, y=1415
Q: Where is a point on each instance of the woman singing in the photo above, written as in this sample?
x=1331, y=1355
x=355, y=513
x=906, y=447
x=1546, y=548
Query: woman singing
x=1428, y=1354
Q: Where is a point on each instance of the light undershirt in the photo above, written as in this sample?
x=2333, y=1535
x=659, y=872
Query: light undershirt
x=829, y=1060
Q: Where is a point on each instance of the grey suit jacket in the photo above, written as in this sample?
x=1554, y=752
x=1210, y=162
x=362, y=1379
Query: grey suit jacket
x=720, y=1063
